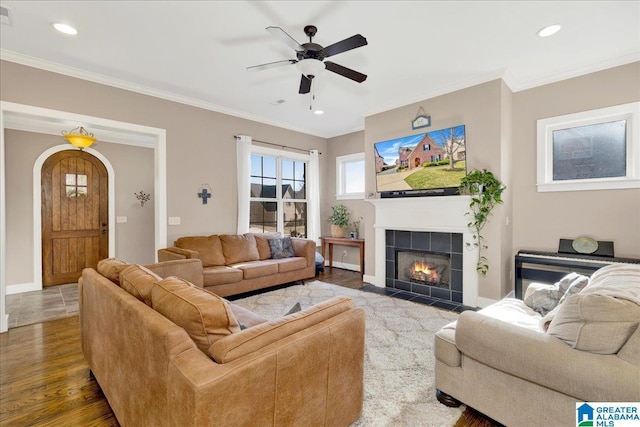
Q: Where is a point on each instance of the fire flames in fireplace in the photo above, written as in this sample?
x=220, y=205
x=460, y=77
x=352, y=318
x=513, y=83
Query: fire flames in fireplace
x=423, y=272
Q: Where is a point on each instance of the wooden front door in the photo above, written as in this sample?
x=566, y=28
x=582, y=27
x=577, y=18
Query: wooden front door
x=75, y=215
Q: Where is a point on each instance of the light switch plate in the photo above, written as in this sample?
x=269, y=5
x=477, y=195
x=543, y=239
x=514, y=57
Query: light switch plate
x=121, y=219
x=174, y=220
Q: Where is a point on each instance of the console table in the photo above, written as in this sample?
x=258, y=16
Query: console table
x=552, y=266
x=343, y=241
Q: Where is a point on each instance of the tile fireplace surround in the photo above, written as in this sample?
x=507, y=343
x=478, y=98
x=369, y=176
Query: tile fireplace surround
x=441, y=214
x=447, y=247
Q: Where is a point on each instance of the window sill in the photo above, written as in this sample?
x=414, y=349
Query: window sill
x=353, y=196
x=586, y=185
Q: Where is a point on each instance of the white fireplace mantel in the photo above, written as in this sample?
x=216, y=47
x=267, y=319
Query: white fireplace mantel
x=435, y=214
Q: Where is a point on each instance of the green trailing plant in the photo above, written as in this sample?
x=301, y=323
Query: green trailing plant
x=339, y=216
x=486, y=192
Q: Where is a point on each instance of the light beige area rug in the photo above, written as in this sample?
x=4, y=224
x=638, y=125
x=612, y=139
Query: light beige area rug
x=399, y=360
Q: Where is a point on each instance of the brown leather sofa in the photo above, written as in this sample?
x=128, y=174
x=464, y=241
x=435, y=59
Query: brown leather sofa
x=168, y=353
x=234, y=264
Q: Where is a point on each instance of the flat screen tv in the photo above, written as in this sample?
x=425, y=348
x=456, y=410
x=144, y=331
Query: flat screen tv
x=427, y=164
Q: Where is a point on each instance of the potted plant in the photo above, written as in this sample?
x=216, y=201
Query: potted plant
x=355, y=228
x=486, y=192
x=339, y=220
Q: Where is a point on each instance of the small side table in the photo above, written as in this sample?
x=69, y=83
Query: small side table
x=343, y=241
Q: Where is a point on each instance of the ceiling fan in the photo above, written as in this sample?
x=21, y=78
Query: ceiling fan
x=310, y=56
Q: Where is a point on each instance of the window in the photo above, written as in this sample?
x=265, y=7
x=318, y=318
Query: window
x=76, y=185
x=350, y=176
x=590, y=150
x=278, y=200
x=426, y=147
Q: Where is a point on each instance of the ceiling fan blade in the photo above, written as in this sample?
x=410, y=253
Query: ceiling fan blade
x=343, y=46
x=305, y=85
x=271, y=65
x=286, y=38
x=346, y=72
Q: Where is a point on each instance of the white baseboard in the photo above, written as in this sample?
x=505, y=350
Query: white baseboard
x=343, y=265
x=22, y=287
x=371, y=280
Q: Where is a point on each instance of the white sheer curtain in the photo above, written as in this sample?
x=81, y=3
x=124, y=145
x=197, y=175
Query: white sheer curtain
x=243, y=143
x=313, y=198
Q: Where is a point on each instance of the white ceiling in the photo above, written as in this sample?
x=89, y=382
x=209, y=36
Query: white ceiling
x=196, y=52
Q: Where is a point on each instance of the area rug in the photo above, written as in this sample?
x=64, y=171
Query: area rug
x=399, y=361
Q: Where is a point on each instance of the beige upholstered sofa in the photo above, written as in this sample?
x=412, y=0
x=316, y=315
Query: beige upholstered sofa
x=168, y=353
x=235, y=264
x=502, y=362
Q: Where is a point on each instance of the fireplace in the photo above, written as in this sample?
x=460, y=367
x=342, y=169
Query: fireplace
x=425, y=263
x=434, y=224
x=423, y=267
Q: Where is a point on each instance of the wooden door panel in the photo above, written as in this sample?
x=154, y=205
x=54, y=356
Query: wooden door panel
x=74, y=209
x=70, y=255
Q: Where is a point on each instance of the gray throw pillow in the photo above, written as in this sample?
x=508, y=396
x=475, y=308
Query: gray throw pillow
x=281, y=248
x=296, y=308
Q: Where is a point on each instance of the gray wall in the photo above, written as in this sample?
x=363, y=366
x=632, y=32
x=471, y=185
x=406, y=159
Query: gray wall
x=133, y=170
x=340, y=146
x=540, y=219
x=200, y=143
x=480, y=109
x=501, y=134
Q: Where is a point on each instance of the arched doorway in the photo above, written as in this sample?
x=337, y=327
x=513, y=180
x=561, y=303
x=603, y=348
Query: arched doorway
x=75, y=215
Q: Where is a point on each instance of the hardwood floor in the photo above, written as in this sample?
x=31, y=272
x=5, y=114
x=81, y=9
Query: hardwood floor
x=45, y=381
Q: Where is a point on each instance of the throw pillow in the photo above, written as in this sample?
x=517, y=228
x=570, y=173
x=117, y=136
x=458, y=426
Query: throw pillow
x=296, y=308
x=204, y=315
x=239, y=248
x=262, y=242
x=595, y=323
x=138, y=281
x=111, y=268
x=577, y=283
x=209, y=248
x=542, y=298
x=281, y=248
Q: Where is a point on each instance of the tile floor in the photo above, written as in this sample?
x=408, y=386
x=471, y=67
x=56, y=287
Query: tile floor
x=53, y=302
x=421, y=299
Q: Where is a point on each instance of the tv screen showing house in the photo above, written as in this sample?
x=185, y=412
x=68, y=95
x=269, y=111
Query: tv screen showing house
x=433, y=160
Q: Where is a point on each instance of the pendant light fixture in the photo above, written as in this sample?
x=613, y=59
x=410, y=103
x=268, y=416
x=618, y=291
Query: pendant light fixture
x=79, y=137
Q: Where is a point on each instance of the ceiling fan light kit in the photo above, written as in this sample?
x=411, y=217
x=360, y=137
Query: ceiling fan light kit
x=310, y=67
x=310, y=56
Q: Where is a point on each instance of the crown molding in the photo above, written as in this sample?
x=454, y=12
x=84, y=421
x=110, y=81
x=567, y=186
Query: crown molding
x=511, y=81
x=505, y=74
x=443, y=90
x=574, y=72
x=18, y=58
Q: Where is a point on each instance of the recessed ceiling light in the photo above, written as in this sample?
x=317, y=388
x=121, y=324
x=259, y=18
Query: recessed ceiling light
x=65, y=28
x=549, y=30
x=318, y=112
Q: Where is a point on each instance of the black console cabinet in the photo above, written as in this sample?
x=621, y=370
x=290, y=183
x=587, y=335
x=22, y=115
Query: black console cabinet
x=552, y=266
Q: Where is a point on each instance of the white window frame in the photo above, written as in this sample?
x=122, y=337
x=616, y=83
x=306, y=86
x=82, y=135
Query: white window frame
x=341, y=162
x=280, y=155
x=629, y=112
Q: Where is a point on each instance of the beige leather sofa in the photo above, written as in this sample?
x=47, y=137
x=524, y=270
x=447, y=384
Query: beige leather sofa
x=502, y=362
x=168, y=353
x=234, y=264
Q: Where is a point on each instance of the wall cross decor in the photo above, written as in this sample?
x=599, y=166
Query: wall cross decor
x=205, y=193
